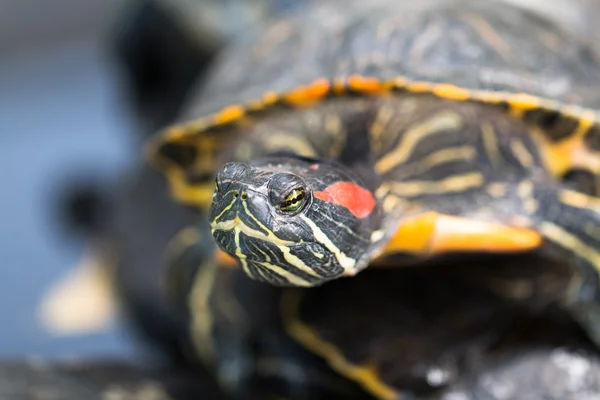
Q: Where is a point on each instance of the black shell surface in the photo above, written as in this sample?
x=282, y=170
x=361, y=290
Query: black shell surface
x=473, y=44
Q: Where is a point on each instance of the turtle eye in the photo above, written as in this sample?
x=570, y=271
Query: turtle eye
x=216, y=184
x=293, y=201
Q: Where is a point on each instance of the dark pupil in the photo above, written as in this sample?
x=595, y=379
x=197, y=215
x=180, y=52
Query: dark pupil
x=293, y=200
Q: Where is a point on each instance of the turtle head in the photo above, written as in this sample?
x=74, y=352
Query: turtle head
x=293, y=221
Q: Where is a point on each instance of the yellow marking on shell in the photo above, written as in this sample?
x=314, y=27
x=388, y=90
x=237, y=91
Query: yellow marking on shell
x=586, y=121
x=497, y=190
x=571, y=152
x=175, y=133
x=400, y=82
x=229, y=114
x=319, y=88
x=452, y=184
x=440, y=122
x=349, y=264
x=366, y=85
x=521, y=153
x=339, y=86
x=559, y=157
x=567, y=240
x=490, y=97
x=451, y=92
x=366, y=375
x=490, y=143
x=517, y=113
x=451, y=154
x=309, y=94
x=419, y=87
x=523, y=101
x=270, y=98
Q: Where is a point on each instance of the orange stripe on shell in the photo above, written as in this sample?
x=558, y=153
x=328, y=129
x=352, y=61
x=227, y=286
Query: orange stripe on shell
x=310, y=94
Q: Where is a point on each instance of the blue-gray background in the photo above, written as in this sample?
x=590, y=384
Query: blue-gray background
x=60, y=116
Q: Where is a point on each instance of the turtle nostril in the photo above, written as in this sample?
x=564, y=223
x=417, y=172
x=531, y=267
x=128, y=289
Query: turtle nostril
x=235, y=193
x=244, y=196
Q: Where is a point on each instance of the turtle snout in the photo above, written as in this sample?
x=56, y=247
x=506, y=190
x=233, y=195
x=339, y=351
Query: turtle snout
x=234, y=171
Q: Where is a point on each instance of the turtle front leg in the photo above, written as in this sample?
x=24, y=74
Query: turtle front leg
x=431, y=233
x=520, y=217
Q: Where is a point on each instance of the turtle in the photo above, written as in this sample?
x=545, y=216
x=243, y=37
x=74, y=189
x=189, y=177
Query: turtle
x=286, y=341
x=334, y=141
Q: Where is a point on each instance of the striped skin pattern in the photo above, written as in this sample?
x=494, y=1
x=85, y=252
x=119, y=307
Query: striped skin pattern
x=292, y=247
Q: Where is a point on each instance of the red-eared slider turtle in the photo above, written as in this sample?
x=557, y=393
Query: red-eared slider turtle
x=389, y=330
x=340, y=138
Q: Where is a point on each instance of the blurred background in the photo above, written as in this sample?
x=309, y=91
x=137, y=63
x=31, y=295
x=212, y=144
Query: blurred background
x=62, y=120
x=82, y=83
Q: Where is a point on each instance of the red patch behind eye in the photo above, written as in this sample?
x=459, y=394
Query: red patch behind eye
x=358, y=200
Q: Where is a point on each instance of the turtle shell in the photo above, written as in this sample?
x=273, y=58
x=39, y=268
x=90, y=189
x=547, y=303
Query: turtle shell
x=477, y=46
x=459, y=50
